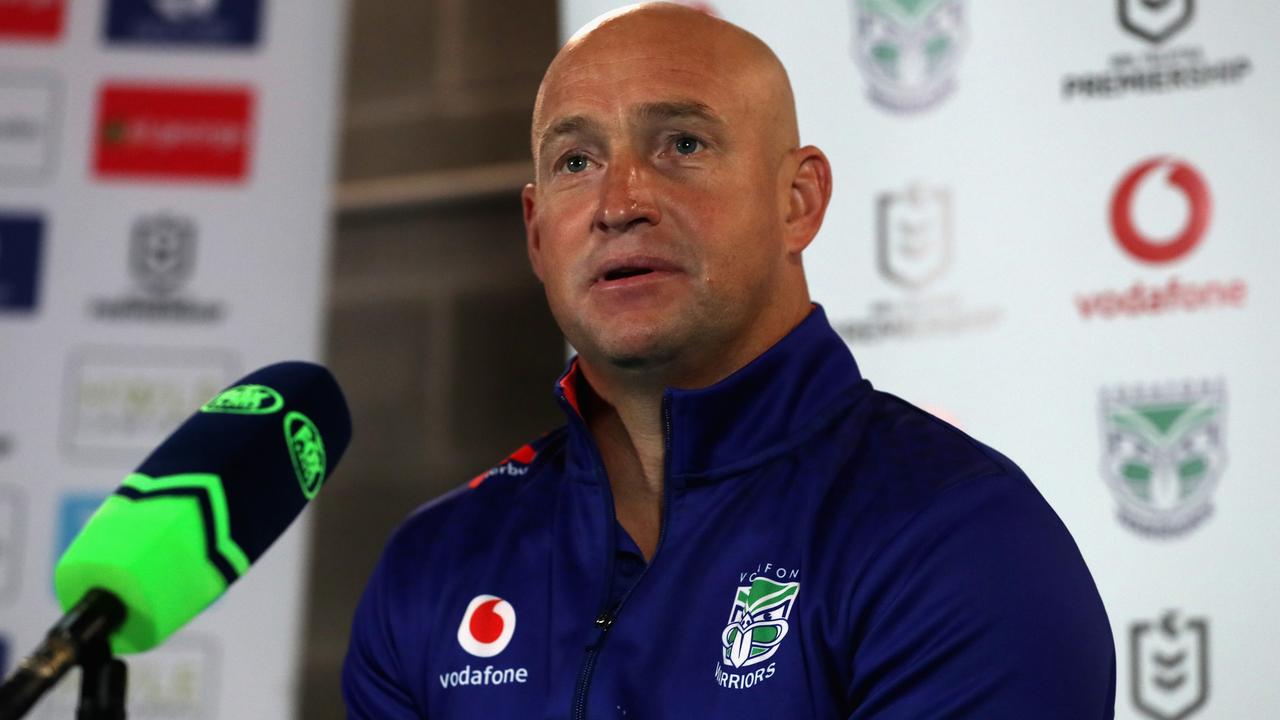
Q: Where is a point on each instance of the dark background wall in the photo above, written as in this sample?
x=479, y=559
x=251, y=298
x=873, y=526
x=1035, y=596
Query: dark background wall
x=436, y=328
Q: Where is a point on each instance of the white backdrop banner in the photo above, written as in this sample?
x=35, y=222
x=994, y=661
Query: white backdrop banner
x=165, y=175
x=1052, y=227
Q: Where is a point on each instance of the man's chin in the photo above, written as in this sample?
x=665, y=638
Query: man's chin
x=636, y=355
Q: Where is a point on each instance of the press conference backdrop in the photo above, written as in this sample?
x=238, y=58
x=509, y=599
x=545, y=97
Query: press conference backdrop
x=1054, y=225
x=165, y=171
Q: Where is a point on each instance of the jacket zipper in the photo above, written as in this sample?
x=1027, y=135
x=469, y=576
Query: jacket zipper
x=604, y=620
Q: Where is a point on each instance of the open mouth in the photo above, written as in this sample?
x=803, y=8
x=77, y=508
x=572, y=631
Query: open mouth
x=626, y=272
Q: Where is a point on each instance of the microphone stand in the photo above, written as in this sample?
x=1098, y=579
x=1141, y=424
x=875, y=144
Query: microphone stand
x=103, y=682
x=82, y=637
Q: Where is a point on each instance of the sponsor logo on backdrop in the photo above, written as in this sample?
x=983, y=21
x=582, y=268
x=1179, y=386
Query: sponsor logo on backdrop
x=28, y=127
x=233, y=23
x=915, y=240
x=909, y=50
x=486, y=629
x=1169, y=666
x=12, y=519
x=31, y=19
x=1163, y=453
x=173, y=132
x=120, y=403
x=74, y=511
x=161, y=260
x=1155, y=20
x=177, y=681
x=759, y=621
x=1172, y=193
x=20, y=244
x=1154, y=67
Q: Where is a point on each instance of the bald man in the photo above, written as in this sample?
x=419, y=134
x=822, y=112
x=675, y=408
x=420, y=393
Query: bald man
x=732, y=523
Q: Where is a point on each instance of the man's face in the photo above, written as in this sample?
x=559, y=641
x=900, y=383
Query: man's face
x=656, y=221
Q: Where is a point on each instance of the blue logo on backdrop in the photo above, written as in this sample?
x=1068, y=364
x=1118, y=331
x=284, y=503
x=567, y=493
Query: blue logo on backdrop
x=19, y=262
x=195, y=22
x=74, y=510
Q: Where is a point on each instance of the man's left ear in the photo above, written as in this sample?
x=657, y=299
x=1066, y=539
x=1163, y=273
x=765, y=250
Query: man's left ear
x=808, y=196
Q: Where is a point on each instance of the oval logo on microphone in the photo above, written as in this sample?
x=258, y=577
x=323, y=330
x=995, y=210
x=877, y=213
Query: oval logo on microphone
x=487, y=626
x=245, y=400
x=306, y=450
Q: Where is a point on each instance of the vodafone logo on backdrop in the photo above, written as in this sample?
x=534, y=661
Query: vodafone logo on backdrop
x=1180, y=177
x=487, y=626
x=31, y=19
x=173, y=132
x=1159, y=213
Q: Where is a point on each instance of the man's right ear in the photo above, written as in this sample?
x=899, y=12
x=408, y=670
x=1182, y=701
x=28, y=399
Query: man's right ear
x=532, y=241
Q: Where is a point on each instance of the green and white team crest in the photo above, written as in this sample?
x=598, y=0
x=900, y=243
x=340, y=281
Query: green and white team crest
x=758, y=622
x=1164, y=449
x=909, y=50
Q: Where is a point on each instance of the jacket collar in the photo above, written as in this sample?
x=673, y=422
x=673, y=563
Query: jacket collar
x=758, y=412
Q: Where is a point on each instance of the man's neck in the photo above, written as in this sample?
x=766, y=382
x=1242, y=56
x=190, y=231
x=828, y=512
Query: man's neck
x=626, y=422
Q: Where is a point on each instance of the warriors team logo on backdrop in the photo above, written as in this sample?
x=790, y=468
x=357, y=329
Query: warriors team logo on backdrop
x=1169, y=666
x=1159, y=216
x=1164, y=449
x=909, y=50
x=1154, y=67
x=758, y=623
x=915, y=249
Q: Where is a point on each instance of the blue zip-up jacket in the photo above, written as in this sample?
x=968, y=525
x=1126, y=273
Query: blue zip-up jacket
x=827, y=551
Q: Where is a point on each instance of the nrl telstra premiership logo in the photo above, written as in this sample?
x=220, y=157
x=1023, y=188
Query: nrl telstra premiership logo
x=1155, y=20
x=1169, y=666
x=1163, y=453
x=913, y=235
x=909, y=50
x=758, y=623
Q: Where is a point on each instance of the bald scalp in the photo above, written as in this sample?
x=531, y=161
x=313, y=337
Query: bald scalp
x=745, y=62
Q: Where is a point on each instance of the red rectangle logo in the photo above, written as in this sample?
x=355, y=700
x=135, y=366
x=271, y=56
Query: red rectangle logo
x=30, y=19
x=176, y=133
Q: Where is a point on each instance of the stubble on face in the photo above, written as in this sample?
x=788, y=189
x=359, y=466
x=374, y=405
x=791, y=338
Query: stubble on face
x=716, y=219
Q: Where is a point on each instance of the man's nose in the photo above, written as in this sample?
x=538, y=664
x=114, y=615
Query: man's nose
x=626, y=198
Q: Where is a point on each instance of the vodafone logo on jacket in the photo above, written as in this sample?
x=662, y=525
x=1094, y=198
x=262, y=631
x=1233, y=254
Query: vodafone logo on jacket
x=173, y=132
x=487, y=626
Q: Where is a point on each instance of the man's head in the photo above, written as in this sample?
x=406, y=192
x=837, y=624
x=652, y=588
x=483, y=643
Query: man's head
x=671, y=198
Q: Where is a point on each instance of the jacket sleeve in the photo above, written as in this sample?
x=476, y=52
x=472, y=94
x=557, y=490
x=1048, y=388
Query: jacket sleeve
x=982, y=607
x=373, y=683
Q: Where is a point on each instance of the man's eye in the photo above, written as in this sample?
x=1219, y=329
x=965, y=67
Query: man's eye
x=686, y=145
x=575, y=163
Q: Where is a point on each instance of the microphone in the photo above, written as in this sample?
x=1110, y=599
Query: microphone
x=198, y=511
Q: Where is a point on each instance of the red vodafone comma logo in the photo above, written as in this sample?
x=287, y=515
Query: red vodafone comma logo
x=1148, y=295
x=487, y=626
x=173, y=132
x=1182, y=177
